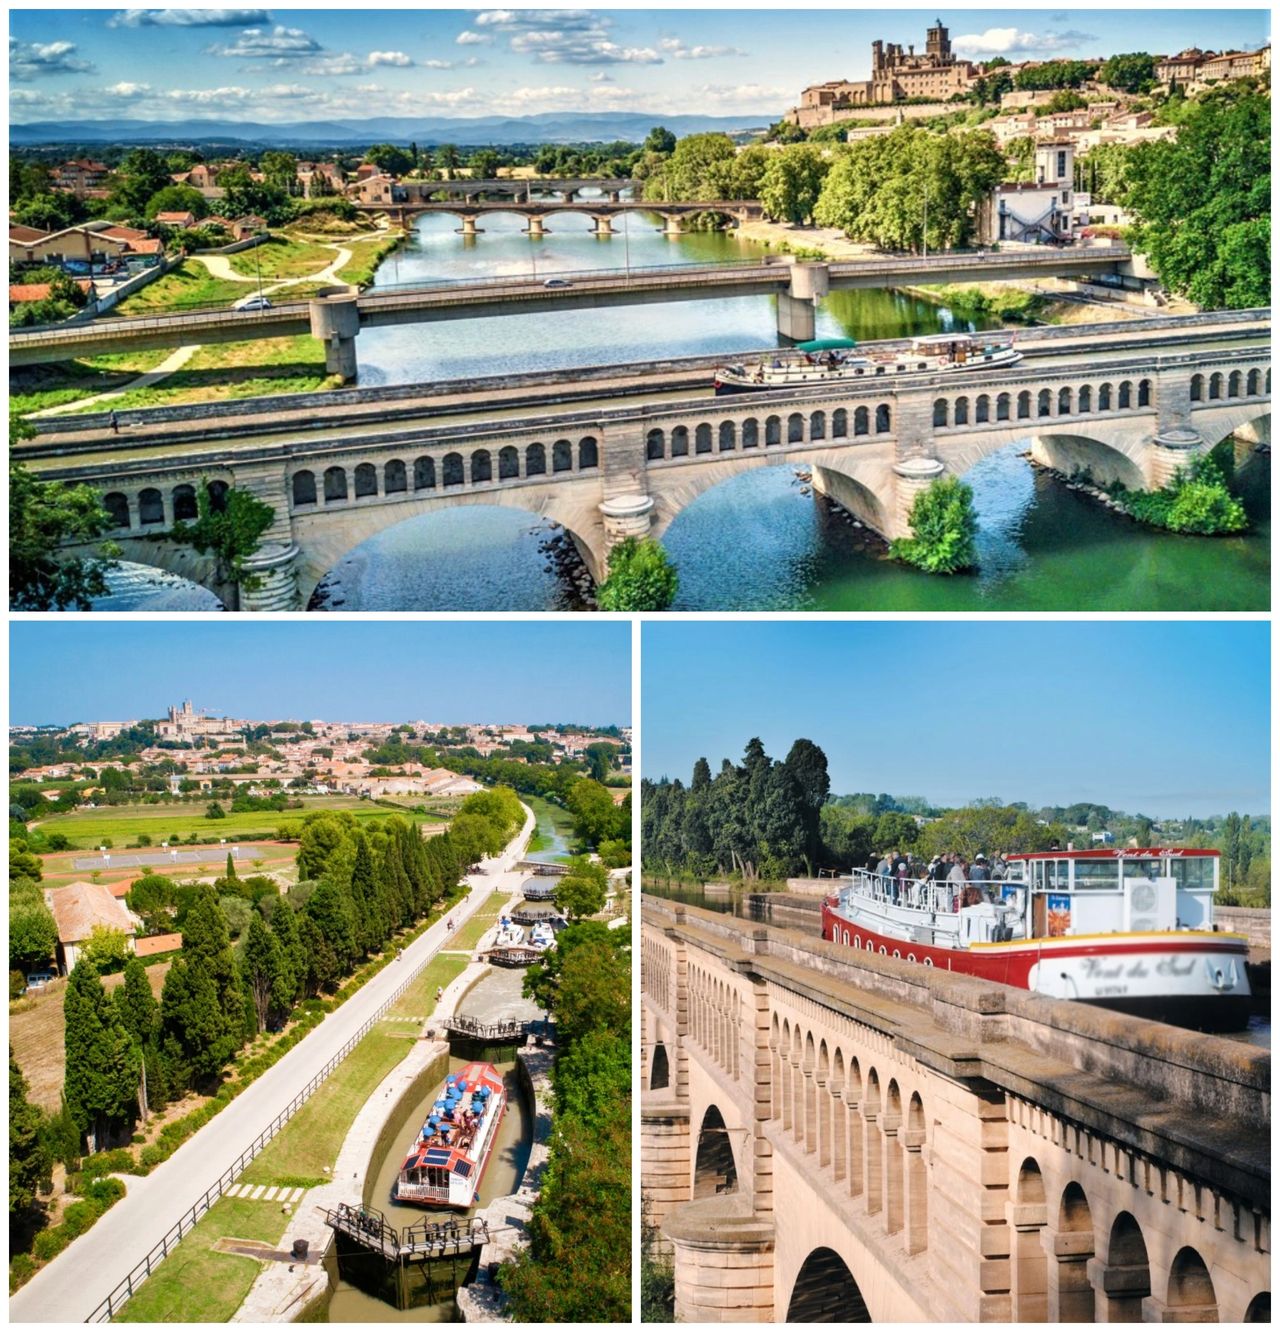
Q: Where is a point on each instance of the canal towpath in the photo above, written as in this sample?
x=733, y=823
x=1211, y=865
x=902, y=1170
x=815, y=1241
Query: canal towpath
x=72, y=1287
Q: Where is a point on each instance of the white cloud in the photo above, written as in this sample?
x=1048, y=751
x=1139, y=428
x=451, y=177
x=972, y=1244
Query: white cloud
x=128, y=91
x=468, y=38
x=187, y=18
x=397, y=58
x=1007, y=41
x=263, y=44
x=33, y=60
x=563, y=37
x=677, y=50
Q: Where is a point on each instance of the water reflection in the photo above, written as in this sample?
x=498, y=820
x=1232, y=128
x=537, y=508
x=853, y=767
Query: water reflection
x=140, y=587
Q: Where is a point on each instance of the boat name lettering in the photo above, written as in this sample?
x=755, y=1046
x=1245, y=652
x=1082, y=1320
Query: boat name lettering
x=1170, y=966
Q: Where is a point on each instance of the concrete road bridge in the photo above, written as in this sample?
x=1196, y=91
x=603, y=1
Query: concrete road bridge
x=1131, y=402
x=602, y=212
x=337, y=316
x=836, y=1136
x=529, y=189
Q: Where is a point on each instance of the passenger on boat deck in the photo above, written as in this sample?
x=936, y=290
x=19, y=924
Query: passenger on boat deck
x=956, y=877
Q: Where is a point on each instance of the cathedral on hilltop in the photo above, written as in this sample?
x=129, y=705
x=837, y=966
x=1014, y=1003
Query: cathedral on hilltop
x=896, y=75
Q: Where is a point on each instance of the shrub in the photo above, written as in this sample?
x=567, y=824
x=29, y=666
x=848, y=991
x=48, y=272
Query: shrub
x=22, y=1268
x=943, y=528
x=641, y=578
x=78, y=1217
x=17, y=985
x=119, y=1159
x=50, y=1243
x=1196, y=501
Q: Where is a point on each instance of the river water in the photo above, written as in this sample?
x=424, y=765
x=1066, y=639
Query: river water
x=760, y=541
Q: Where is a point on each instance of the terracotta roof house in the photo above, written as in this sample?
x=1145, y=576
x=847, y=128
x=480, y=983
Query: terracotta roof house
x=77, y=910
x=21, y=292
x=183, y=219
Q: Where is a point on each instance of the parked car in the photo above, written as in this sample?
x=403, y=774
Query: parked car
x=37, y=980
x=257, y=303
x=557, y=282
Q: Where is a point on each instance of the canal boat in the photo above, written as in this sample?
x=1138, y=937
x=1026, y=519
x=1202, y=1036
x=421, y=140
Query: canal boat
x=509, y=934
x=1130, y=930
x=542, y=936
x=832, y=361
x=447, y=1160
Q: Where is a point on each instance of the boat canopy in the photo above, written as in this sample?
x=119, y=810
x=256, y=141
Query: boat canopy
x=827, y=344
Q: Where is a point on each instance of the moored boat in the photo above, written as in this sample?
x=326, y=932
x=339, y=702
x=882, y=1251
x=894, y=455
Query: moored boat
x=832, y=361
x=1127, y=929
x=446, y=1162
x=542, y=936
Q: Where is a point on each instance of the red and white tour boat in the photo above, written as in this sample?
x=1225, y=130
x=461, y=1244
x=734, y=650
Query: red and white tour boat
x=445, y=1164
x=1125, y=929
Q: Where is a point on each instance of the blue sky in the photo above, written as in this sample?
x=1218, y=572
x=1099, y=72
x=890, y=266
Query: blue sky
x=287, y=65
x=1158, y=718
x=336, y=670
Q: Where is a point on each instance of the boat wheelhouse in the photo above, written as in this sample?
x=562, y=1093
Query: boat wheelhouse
x=447, y=1160
x=1128, y=929
x=832, y=361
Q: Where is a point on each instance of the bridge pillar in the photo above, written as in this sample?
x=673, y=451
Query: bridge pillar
x=892, y=1191
x=1029, y=1269
x=604, y=225
x=536, y=228
x=615, y=196
x=723, y=1260
x=335, y=320
x=469, y=228
x=911, y=477
x=1172, y=450
x=872, y=1162
x=665, y=1161
x=672, y=224
x=797, y=306
x=915, y=1199
x=1121, y=1289
x=272, y=568
x=1070, y=1290
x=625, y=516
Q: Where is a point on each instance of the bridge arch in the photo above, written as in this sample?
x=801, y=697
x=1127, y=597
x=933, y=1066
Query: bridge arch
x=1128, y=1271
x=714, y=1169
x=659, y=1068
x=1074, y=1291
x=1191, y=1287
x=825, y=1292
x=1104, y=460
x=1030, y=1263
x=1259, y=1310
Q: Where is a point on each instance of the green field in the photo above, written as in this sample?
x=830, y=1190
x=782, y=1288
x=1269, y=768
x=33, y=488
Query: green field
x=32, y=388
x=123, y=824
x=419, y=1000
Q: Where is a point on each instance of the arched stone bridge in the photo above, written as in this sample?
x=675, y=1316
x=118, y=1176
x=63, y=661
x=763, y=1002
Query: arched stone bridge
x=1128, y=403
x=602, y=212
x=828, y=1136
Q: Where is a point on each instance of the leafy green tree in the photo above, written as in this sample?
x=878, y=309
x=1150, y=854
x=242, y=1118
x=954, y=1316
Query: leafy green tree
x=1055, y=74
x=1132, y=73
x=215, y=811
x=595, y=815
x=293, y=960
x=261, y=967
x=177, y=199
x=696, y=169
x=103, y=1065
x=641, y=578
x=43, y=516
x=30, y=1163
x=281, y=170
x=484, y=163
x=51, y=211
x=1203, y=201
x=136, y=1004
x=1066, y=99
x=323, y=835
x=106, y=948
x=792, y=182
x=23, y=864
x=330, y=908
x=33, y=935
x=943, y=527
x=366, y=900
x=232, y=533
x=582, y=891
x=448, y=158
x=142, y=174
x=659, y=140
x=395, y=161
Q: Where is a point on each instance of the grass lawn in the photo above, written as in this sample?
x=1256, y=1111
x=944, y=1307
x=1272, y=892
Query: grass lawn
x=227, y=370
x=88, y=828
x=365, y=258
x=32, y=388
x=469, y=935
x=419, y=1000
x=312, y=1139
x=197, y=1285
x=185, y=287
x=281, y=258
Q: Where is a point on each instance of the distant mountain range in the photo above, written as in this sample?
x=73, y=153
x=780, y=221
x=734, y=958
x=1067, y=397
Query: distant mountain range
x=549, y=127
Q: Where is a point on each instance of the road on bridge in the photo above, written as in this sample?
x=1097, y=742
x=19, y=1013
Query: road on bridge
x=76, y=1282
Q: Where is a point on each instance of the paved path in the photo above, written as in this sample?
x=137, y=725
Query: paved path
x=71, y=1287
x=174, y=361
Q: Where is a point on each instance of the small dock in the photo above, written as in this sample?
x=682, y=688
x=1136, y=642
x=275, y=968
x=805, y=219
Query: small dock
x=538, y=889
x=503, y=1031
x=513, y=955
x=407, y=1268
x=525, y=914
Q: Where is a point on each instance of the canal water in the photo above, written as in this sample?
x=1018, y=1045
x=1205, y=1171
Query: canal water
x=759, y=541
x=554, y=826
x=733, y=900
x=497, y=995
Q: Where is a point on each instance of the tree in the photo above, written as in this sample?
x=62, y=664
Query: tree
x=388, y=157
x=177, y=199
x=106, y=948
x=281, y=170
x=641, y=578
x=33, y=935
x=1203, y=201
x=322, y=837
x=232, y=533
x=484, y=163
x=103, y=1065
x=215, y=811
x=142, y=174
x=594, y=813
x=582, y=891
x=792, y=182
x=943, y=527
x=1066, y=99
x=201, y=1006
x=659, y=140
x=261, y=967
x=447, y=156
x=136, y=1004
x=1132, y=73
x=696, y=169
x=30, y=1163
x=330, y=908
x=44, y=516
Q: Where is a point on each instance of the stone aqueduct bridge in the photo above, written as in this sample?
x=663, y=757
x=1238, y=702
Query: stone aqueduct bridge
x=1130, y=402
x=831, y=1136
x=337, y=316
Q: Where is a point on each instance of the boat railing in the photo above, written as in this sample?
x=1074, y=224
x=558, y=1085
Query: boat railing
x=941, y=897
x=431, y=1192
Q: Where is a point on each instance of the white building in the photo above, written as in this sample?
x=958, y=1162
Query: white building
x=1040, y=211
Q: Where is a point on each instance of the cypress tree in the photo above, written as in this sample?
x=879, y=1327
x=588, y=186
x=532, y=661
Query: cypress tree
x=330, y=908
x=293, y=959
x=202, y=1006
x=30, y=1161
x=396, y=880
x=371, y=927
x=136, y=1005
x=261, y=967
x=103, y=1065
x=231, y=868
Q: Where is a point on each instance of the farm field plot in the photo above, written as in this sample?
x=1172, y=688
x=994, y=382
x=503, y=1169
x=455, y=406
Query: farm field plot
x=123, y=824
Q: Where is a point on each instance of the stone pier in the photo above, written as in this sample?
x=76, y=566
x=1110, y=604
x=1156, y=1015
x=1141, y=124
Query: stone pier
x=798, y=306
x=335, y=321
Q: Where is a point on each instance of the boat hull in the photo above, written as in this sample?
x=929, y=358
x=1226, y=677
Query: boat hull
x=1189, y=978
